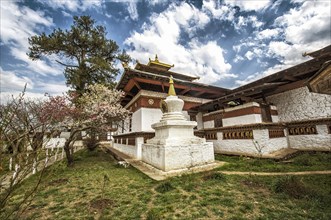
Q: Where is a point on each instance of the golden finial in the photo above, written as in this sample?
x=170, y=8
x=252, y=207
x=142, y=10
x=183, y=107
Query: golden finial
x=125, y=65
x=156, y=58
x=171, y=87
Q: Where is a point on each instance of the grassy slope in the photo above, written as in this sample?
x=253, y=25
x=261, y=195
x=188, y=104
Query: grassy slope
x=307, y=161
x=78, y=193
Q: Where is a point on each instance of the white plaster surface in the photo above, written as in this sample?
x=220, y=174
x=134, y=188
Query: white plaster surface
x=174, y=146
x=246, y=146
x=200, y=125
x=300, y=104
x=320, y=141
x=240, y=120
x=274, y=118
x=137, y=120
x=166, y=157
x=55, y=142
x=129, y=150
x=208, y=124
x=143, y=118
x=246, y=105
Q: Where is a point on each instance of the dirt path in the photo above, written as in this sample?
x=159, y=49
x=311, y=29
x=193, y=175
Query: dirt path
x=277, y=173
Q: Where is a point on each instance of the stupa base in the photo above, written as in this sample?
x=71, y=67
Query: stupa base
x=177, y=157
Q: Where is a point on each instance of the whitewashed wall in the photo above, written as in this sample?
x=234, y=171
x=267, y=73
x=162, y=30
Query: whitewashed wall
x=129, y=150
x=199, y=121
x=209, y=124
x=143, y=118
x=247, y=147
x=244, y=119
x=320, y=141
x=55, y=142
x=300, y=104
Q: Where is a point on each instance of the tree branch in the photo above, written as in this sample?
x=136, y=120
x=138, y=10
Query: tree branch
x=66, y=65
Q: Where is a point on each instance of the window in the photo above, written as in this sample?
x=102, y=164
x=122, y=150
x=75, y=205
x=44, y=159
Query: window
x=218, y=123
x=266, y=113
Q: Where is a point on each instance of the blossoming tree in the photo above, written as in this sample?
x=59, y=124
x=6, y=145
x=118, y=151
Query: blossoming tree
x=98, y=109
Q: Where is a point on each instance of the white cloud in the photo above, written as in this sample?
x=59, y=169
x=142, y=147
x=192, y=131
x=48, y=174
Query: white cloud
x=17, y=25
x=13, y=83
x=218, y=11
x=132, y=8
x=10, y=81
x=306, y=29
x=249, y=5
x=249, y=55
x=162, y=38
x=242, y=22
x=238, y=58
x=66, y=14
x=73, y=5
x=268, y=33
x=307, y=23
x=7, y=96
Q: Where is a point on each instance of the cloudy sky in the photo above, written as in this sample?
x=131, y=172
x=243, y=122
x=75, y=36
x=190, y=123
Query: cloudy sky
x=227, y=43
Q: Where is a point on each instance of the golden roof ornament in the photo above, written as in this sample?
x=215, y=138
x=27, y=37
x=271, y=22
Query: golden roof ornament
x=171, y=87
x=157, y=64
x=125, y=65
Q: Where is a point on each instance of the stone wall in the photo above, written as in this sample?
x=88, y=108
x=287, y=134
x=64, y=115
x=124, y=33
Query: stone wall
x=300, y=104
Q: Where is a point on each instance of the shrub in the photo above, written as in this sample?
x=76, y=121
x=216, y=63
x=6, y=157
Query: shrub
x=164, y=187
x=292, y=186
x=91, y=143
x=215, y=176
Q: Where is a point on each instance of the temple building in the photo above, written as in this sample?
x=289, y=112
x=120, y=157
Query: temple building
x=290, y=109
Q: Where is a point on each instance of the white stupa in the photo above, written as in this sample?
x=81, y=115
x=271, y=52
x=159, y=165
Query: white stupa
x=174, y=146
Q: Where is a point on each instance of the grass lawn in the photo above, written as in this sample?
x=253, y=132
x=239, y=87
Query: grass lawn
x=96, y=188
x=306, y=161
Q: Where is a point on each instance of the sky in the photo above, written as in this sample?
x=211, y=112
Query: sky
x=227, y=43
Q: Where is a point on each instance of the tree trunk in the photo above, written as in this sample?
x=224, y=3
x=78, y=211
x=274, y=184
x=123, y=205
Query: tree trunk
x=69, y=156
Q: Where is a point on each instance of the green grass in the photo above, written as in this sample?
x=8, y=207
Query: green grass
x=78, y=193
x=307, y=161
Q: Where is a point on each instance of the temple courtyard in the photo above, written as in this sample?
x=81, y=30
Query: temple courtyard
x=98, y=187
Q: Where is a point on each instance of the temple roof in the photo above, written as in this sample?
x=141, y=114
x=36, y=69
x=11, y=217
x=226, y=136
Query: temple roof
x=154, y=77
x=134, y=80
x=160, y=68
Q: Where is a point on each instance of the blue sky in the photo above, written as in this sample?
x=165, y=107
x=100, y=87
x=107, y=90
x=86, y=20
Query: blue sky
x=227, y=43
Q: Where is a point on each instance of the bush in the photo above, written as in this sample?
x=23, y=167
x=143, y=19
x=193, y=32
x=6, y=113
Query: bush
x=292, y=186
x=215, y=176
x=91, y=143
x=164, y=187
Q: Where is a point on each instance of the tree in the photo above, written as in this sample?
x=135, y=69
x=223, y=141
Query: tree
x=97, y=109
x=23, y=129
x=85, y=52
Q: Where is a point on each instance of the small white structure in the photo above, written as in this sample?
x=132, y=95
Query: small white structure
x=174, y=146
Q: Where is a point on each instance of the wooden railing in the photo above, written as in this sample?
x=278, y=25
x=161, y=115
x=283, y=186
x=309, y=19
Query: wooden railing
x=238, y=134
x=276, y=132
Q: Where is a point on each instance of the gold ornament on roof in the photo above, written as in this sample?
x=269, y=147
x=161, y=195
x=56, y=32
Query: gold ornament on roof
x=125, y=65
x=156, y=63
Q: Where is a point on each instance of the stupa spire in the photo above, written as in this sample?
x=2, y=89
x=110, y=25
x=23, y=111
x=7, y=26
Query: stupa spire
x=171, y=87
